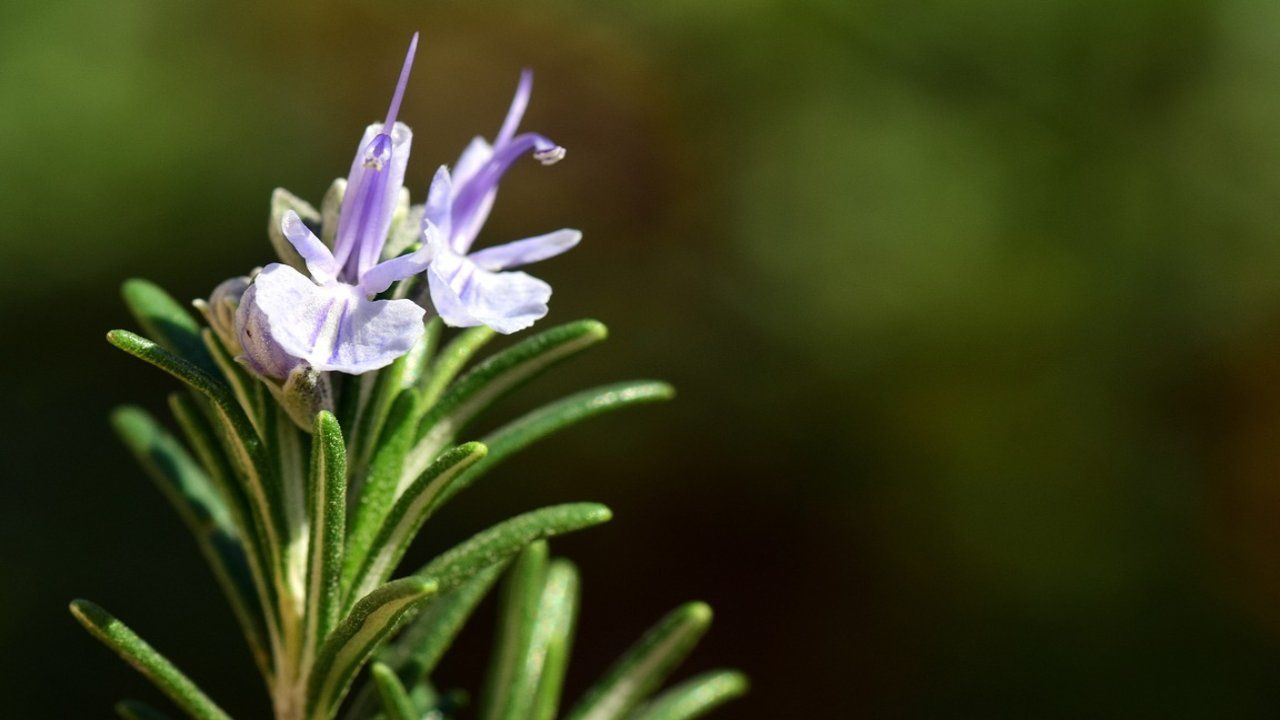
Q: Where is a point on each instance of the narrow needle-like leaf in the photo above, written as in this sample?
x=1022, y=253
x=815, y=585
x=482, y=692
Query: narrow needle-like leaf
x=378, y=492
x=166, y=320
x=694, y=697
x=396, y=704
x=451, y=359
x=645, y=665
x=553, y=637
x=347, y=648
x=549, y=419
x=504, y=540
x=199, y=504
x=492, y=379
x=372, y=562
x=508, y=690
x=327, y=502
x=241, y=439
x=133, y=649
x=416, y=653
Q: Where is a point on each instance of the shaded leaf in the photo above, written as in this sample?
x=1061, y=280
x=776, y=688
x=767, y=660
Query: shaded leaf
x=490, y=380
x=134, y=650
x=239, y=437
x=446, y=366
x=508, y=690
x=549, y=419
x=189, y=490
x=166, y=320
x=415, y=654
x=645, y=665
x=694, y=697
x=377, y=494
x=553, y=637
x=396, y=704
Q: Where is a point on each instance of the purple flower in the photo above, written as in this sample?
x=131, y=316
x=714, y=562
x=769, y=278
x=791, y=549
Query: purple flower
x=476, y=288
x=330, y=320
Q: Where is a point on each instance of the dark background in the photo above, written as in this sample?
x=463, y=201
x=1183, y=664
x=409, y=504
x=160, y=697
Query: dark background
x=973, y=309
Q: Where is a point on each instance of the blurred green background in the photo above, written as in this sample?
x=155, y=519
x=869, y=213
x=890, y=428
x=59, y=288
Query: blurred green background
x=973, y=308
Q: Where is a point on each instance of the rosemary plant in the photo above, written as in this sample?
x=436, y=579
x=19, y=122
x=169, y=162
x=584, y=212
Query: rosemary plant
x=324, y=421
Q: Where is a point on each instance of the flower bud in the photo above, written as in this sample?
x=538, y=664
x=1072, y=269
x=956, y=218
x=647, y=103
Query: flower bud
x=220, y=311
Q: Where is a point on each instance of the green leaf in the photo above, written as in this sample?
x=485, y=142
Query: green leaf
x=248, y=392
x=417, y=651
x=377, y=392
x=327, y=502
x=694, y=697
x=395, y=700
x=549, y=419
x=347, y=648
x=508, y=690
x=451, y=359
x=421, y=354
x=200, y=436
x=134, y=710
x=369, y=566
x=134, y=650
x=205, y=513
x=492, y=379
x=504, y=540
x=200, y=380
x=377, y=494
x=239, y=437
x=553, y=637
x=166, y=320
x=645, y=665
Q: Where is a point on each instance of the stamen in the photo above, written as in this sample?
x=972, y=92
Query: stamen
x=394, y=110
x=549, y=157
x=378, y=152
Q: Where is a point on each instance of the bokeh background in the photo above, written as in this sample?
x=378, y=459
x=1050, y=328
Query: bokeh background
x=974, y=309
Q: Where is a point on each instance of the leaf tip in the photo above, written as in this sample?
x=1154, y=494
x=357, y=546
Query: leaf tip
x=134, y=287
x=325, y=421
x=474, y=448
x=595, y=329
x=697, y=613
x=87, y=614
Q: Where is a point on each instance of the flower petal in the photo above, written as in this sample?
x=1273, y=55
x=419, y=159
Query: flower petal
x=381, y=276
x=320, y=262
x=527, y=251
x=473, y=198
x=373, y=189
x=473, y=157
x=438, y=210
x=465, y=295
x=334, y=327
x=518, y=105
x=257, y=347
